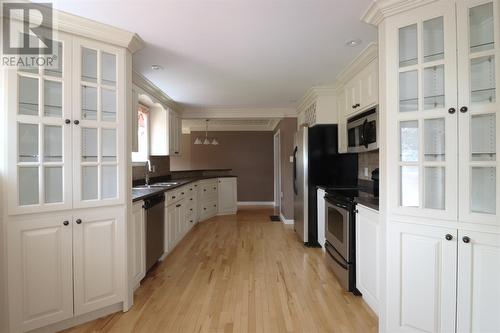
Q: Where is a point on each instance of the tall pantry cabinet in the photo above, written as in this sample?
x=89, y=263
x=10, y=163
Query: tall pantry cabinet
x=439, y=106
x=66, y=176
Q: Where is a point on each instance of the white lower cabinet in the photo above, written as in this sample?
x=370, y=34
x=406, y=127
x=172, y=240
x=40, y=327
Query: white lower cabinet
x=98, y=259
x=137, y=243
x=64, y=265
x=227, y=196
x=442, y=279
x=478, y=299
x=367, y=255
x=40, y=274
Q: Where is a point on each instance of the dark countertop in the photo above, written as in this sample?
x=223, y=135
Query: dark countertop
x=144, y=193
x=365, y=197
x=368, y=201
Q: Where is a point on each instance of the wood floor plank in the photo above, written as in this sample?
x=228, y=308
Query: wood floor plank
x=239, y=274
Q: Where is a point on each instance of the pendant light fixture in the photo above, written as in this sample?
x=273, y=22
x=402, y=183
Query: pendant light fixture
x=207, y=140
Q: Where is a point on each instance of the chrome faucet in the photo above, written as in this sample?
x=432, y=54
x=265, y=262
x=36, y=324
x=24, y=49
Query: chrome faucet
x=148, y=170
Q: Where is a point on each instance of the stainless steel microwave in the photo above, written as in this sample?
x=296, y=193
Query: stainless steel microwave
x=362, y=131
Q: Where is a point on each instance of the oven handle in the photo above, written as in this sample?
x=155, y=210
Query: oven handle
x=340, y=205
x=333, y=257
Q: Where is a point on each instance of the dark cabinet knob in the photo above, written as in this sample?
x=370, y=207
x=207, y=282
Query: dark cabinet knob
x=191, y=209
x=204, y=209
x=215, y=188
x=191, y=199
x=173, y=197
x=182, y=193
x=67, y=121
x=357, y=105
x=76, y=122
x=452, y=110
x=191, y=221
x=66, y=222
x=78, y=221
x=354, y=106
x=215, y=205
x=464, y=109
x=448, y=237
x=204, y=190
x=466, y=239
x=178, y=205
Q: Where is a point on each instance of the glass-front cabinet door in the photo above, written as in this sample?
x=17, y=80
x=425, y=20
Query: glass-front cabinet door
x=98, y=118
x=39, y=134
x=426, y=115
x=479, y=123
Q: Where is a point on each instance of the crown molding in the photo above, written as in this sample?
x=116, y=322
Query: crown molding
x=366, y=56
x=381, y=9
x=77, y=25
x=313, y=94
x=230, y=113
x=154, y=93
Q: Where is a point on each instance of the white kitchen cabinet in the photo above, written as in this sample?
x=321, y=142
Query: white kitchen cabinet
x=342, y=129
x=478, y=299
x=40, y=274
x=227, y=196
x=421, y=278
x=361, y=92
x=368, y=255
x=171, y=226
x=99, y=124
x=438, y=90
x=165, y=132
x=137, y=243
x=98, y=258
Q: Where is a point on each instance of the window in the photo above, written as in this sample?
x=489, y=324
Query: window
x=142, y=154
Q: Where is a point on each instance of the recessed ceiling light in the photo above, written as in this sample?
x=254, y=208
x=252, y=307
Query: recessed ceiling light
x=156, y=67
x=353, y=42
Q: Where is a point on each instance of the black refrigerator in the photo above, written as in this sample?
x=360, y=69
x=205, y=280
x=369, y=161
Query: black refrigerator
x=318, y=163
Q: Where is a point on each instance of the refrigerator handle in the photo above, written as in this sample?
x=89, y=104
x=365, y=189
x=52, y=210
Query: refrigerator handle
x=295, y=190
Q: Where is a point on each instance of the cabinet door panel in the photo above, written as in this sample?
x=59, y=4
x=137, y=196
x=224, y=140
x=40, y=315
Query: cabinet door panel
x=227, y=193
x=424, y=75
x=40, y=272
x=422, y=278
x=367, y=256
x=38, y=103
x=479, y=123
x=98, y=259
x=98, y=139
x=172, y=227
x=137, y=243
x=478, y=299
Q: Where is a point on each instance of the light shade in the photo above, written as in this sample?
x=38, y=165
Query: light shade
x=206, y=142
x=215, y=142
x=197, y=141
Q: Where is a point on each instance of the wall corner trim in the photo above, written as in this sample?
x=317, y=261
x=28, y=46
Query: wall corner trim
x=285, y=220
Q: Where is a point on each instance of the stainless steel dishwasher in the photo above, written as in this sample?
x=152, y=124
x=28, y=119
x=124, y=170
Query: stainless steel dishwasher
x=155, y=229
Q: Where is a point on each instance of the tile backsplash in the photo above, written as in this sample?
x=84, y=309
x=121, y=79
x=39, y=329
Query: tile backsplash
x=160, y=163
x=369, y=160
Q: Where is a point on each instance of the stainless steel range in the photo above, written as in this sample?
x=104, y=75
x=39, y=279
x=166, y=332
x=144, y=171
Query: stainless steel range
x=340, y=235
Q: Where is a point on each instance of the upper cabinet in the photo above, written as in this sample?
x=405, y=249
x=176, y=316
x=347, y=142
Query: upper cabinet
x=357, y=90
x=443, y=122
x=66, y=125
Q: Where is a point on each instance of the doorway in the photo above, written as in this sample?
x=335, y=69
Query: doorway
x=277, y=172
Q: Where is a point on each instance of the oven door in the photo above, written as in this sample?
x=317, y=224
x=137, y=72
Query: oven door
x=337, y=227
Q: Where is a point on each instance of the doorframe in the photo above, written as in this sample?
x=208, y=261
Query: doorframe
x=277, y=169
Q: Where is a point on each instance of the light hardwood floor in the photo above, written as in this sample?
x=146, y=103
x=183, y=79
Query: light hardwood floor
x=241, y=274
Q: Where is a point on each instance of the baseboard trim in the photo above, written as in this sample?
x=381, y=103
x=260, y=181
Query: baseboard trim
x=75, y=321
x=284, y=220
x=255, y=203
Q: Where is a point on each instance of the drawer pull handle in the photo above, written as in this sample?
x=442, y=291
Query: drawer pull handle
x=173, y=197
x=78, y=221
x=191, y=209
x=178, y=205
x=182, y=193
x=65, y=222
x=67, y=121
x=448, y=237
x=466, y=239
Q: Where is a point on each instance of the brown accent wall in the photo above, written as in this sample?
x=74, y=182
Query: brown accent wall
x=287, y=128
x=248, y=154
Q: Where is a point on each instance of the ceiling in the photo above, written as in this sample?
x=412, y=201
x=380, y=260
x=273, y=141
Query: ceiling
x=236, y=53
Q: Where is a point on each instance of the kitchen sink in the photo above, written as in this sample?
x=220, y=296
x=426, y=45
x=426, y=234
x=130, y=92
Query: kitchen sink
x=156, y=185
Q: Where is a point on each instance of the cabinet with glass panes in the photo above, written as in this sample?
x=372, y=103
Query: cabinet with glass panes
x=446, y=114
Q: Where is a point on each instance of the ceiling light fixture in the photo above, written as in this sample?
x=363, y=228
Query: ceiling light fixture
x=207, y=140
x=156, y=67
x=353, y=42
